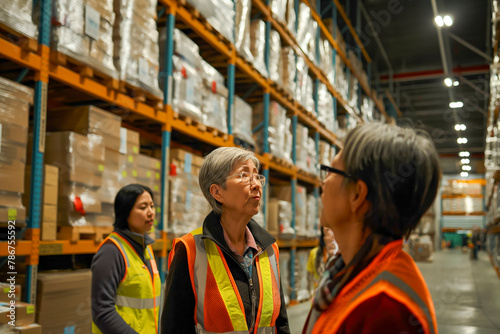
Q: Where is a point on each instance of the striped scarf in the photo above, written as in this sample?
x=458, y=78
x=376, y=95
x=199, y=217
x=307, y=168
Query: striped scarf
x=337, y=274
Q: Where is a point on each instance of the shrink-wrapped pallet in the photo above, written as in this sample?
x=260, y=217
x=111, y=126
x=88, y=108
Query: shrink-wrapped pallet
x=219, y=13
x=187, y=85
x=290, y=16
x=304, y=86
x=242, y=120
x=302, y=290
x=326, y=59
x=278, y=9
x=83, y=30
x=17, y=15
x=15, y=100
x=307, y=28
x=136, y=51
x=275, y=67
x=302, y=134
x=312, y=219
x=278, y=132
x=325, y=108
x=258, y=45
x=242, y=29
x=289, y=68
x=214, y=98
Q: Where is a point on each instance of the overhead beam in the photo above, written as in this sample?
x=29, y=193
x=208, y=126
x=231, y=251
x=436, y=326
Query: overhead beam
x=470, y=47
x=433, y=74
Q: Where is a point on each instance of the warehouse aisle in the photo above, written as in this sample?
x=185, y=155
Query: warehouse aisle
x=466, y=294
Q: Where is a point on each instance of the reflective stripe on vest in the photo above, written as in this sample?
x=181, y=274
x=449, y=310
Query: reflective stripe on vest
x=403, y=286
x=210, y=266
x=139, y=307
x=393, y=273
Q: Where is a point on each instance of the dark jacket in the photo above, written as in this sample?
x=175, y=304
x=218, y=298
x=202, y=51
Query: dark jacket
x=178, y=311
x=108, y=269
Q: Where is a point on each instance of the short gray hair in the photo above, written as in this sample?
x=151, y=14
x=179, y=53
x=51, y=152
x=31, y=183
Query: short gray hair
x=401, y=168
x=216, y=168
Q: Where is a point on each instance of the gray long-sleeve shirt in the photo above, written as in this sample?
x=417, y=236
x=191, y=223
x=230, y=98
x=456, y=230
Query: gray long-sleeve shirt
x=108, y=269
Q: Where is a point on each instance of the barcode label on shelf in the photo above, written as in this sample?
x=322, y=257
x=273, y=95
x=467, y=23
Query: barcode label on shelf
x=92, y=22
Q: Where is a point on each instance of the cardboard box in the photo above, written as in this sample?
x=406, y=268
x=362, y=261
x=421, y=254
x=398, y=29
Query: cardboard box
x=28, y=329
x=129, y=141
x=51, y=175
x=13, y=133
x=273, y=216
x=50, y=193
x=12, y=177
x=49, y=213
x=10, y=199
x=48, y=230
x=148, y=162
x=4, y=320
x=7, y=293
x=64, y=299
x=17, y=214
x=87, y=120
x=25, y=314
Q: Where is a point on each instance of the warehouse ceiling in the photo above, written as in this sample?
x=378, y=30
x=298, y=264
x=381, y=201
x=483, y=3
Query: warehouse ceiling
x=406, y=48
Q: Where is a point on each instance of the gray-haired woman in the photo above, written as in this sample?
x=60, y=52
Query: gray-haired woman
x=374, y=194
x=224, y=276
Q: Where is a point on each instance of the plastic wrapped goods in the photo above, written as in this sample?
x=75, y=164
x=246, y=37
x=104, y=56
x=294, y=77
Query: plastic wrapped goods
x=301, y=280
x=83, y=30
x=17, y=14
x=278, y=8
x=325, y=108
x=277, y=130
x=275, y=67
x=290, y=16
x=285, y=274
x=136, y=51
x=78, y=205
x=15, y=100
x=312, y=219
x=186, y=49
x=242, y=28
x=304, y=86
x=301, y=211
x=325, y=157
x=214, y=98
x=326, y=59
x=219, y=13
x=312, y=158
x=187, y=85
x=367, y=108
x=242, y=120
x=301, y=146
x=289, y=68
x=258, y=45
x=306, y=31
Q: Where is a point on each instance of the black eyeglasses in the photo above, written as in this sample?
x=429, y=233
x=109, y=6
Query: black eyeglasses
x=325, y=170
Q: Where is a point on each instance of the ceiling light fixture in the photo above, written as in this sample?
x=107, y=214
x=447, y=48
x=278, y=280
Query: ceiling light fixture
x=465, y=161
x=464, y=174
x=448, y=21
x=462, y=140
x=460, y=127
x=456, y=104
x=466, y=167
x=448, y=82
x=463, y=154
x=439, y=21
x=456, y=83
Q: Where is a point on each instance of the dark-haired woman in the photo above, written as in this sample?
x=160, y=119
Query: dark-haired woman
x=126, y=284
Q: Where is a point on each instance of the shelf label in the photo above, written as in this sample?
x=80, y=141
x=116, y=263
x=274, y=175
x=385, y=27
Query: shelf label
x=92, y=22
x=148, y=174
x=11, y=214
x=51, y=249
x=30, y=309
x=143, y=70
x=157, y=176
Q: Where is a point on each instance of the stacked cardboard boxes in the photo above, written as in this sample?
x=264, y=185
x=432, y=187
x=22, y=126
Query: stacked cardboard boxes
x=48, y=225
x=188, y=207
x=149, y=174
x=15, y=100
x=63, y=302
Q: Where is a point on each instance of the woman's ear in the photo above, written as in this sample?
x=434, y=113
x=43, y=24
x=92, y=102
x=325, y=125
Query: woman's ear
x=216, y=193
x=358, y=196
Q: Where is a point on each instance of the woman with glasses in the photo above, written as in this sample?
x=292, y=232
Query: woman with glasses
x=374, y=194
x=224, y=276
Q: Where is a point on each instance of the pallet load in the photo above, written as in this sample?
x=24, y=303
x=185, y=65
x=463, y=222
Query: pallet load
x=279, y=219
x=90, y=120
x=149, y=174
x=188, y=207
x=127, y=159
x=83, y=30
x=15, y=100
x=48, y=224
x=214, y=98
x=325, y=108
x=219, y=13
x=242, y=121
x=275, y=66
x=17, y=15
x=280, y=135
x=288, y=69
x=136, y=50
x=258, y=45
x=304, y=86
x=307, y=29
x=242, y=29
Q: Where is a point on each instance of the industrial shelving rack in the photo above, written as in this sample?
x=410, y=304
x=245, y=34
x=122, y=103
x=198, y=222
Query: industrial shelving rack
x=156, y=122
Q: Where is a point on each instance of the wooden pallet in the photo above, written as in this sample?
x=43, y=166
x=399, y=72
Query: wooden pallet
x=216, y=132
x=281, y=162
x=141, y=95
x=85, y=70
x=26, y=43
x=75, y=233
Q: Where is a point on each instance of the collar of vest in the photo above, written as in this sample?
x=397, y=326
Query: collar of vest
x=136, y=239
x=212, y=229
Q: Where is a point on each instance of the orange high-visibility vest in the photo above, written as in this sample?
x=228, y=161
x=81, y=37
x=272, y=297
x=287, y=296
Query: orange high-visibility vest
x=218, y=304
x=392, y=272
